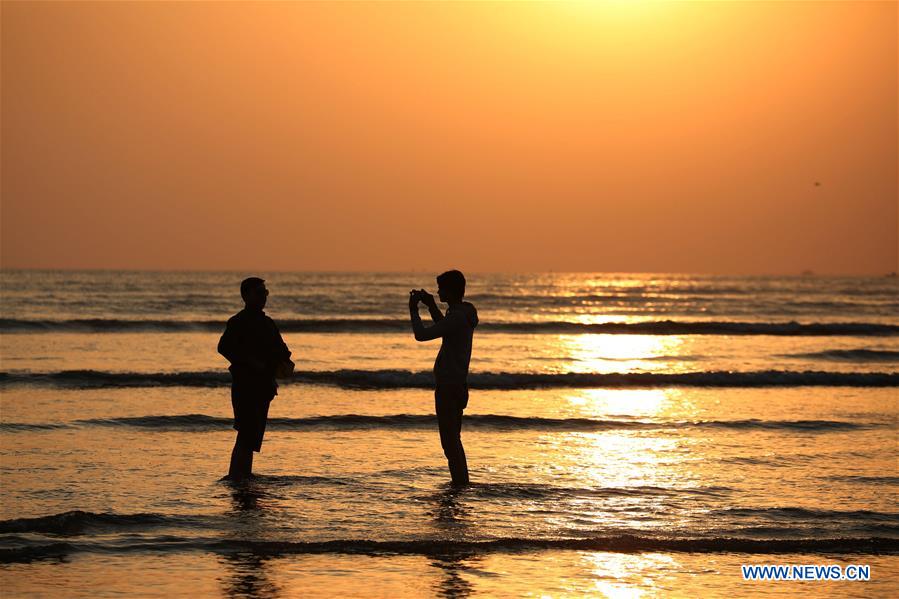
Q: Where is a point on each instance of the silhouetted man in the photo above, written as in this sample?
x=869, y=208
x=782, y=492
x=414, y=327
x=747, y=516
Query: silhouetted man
x=253, y=345
x=451, y=367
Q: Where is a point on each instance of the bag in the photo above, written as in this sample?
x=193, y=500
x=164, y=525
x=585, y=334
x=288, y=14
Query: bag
x=284, y=370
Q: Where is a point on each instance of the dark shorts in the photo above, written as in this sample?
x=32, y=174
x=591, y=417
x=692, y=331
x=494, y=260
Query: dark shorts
x=250, y=417
x=451, y=396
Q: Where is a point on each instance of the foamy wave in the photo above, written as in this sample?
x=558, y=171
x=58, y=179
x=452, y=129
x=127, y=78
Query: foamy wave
x=536, y=491
x=440, y=547
x=794, y=514
x=203, y=423
x=30, y=426
x=867, y=480
x=79, y=522
x=349, y=325
x=402, y=379
x=850, y=355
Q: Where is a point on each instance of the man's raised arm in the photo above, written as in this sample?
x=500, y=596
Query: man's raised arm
x=435, y=331
x=433, y=310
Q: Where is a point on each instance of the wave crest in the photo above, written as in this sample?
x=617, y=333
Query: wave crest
x=439, y=547
x=78, y=522
x=850, y=355
x=402, y=379
x=204, y=423
x=389, y=325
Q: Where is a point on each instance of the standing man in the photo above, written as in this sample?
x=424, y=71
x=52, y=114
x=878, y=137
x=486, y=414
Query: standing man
x=456, y=330
x=254, y=347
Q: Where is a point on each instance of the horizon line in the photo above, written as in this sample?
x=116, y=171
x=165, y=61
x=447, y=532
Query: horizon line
x=806, y=273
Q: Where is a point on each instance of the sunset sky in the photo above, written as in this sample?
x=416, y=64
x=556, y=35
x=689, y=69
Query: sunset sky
x=753, y=137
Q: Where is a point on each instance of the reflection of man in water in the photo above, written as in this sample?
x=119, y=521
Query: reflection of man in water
x=456, y=330
x=246, y=573
x=253, y=345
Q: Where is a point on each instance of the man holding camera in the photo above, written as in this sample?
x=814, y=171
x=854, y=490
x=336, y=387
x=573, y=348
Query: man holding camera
x=456, y=330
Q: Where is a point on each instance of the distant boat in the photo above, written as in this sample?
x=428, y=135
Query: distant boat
x=807, y=273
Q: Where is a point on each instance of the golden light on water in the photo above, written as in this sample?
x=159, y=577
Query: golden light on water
x=622, y=575
x=602, y=403
x=620, y=457
x=624, y=459
x=620, y=353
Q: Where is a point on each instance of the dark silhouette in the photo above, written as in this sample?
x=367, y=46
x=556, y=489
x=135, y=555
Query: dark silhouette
x=451, y=366
x=257, y=353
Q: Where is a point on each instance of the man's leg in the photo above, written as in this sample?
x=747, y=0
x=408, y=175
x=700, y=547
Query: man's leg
x=237, y=467
x=241, y=461
x=250, y=417
x=449, y=403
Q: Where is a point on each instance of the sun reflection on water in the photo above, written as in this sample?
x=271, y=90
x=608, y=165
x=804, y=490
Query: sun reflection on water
x=604, y=403
x=629, y=459
x=643, y=404
x=623, y=353
x=622, y=575
x=624, y=456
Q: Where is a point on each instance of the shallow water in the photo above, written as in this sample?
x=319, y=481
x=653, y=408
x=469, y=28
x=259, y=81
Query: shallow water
x=664, y=463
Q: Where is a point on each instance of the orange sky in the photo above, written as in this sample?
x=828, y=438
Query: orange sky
x=619, y=136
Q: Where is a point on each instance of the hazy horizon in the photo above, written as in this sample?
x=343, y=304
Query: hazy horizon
x=437, y=271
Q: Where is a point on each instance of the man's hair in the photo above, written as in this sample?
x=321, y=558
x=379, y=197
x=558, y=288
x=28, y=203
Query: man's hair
x=452, y=281
x=248, y=285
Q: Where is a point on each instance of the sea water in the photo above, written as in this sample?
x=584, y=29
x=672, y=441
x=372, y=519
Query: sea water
x=627, y=435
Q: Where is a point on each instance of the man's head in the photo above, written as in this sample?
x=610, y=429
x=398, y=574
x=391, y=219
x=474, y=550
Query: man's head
x=451, y=286
x=253, y=292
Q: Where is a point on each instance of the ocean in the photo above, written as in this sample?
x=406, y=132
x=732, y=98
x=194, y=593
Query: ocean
x=628, y=435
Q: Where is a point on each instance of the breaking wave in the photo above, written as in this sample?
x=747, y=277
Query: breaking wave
x=850, y=355
x=439, y=547
x=203, y=423
x=402, y=379
x=387, y=325
x=78, y=522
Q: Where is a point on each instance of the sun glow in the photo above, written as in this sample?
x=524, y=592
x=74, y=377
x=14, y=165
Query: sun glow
x=618, y=9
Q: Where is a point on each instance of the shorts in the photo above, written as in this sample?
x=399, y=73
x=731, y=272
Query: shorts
x=250, y=418
x=452, y=395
